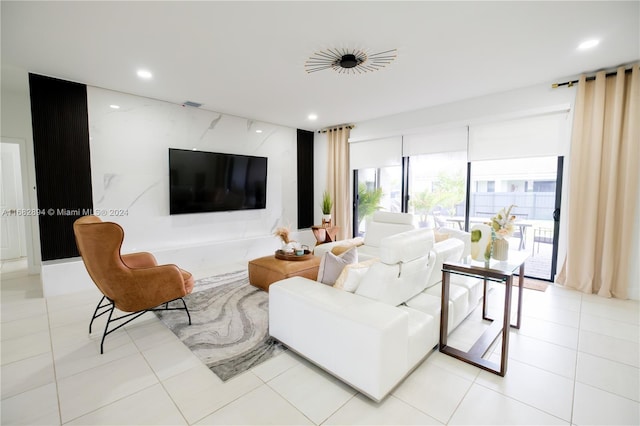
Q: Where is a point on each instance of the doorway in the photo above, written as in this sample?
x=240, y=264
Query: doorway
x=12, y=212
x=533, y=187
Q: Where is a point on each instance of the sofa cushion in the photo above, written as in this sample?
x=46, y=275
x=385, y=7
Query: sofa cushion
x=350, y=277
x=423, y=334
x=406, y=246
x=461, y=235
x=448, y=250
x=384, y=224
x=331, y=265
x=393, y=284
x=459, y=302
x=392, y=217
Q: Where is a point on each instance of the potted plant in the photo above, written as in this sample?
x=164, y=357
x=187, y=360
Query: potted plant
x=327, y=205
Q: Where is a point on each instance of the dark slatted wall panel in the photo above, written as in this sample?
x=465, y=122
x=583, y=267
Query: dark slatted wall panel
x=305, y=179
x=63, y=171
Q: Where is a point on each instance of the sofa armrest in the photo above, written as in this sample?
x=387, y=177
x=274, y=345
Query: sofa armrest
x=363, y=342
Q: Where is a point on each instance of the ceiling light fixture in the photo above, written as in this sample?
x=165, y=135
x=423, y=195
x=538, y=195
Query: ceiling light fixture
x=113, y=106
x=312, y=117
x=588, y=44
x=258, y=131
x=144, y=74
x=349, y=61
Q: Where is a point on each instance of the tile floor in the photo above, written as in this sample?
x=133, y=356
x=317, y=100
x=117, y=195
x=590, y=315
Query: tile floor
x=575, y=360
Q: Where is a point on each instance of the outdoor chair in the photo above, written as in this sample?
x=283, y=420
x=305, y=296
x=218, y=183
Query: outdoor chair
x=541, y=235
x=133, y=283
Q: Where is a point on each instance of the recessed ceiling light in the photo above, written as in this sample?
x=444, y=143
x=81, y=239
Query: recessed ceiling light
x=588, y=44
x=114, y=106
x=312, y=117
x=258, y=131
x=145, y=74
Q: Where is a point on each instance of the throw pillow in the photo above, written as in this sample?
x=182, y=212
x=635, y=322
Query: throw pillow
x=331, y=265
x=440, y=236
x=341, y=248
x=350, y=277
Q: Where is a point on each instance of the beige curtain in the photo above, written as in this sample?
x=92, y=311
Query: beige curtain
x=604, y=179
x=338, y=180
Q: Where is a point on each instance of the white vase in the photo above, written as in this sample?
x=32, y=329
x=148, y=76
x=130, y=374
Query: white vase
x=500, y=249
x=480, y=242
x=326, y=220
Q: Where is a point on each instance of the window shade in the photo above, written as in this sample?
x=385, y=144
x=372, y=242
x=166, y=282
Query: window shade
x=449, y=140
x=376, y=153
x=537, y=136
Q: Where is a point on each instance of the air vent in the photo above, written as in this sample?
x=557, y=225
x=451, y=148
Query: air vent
x=192, y=104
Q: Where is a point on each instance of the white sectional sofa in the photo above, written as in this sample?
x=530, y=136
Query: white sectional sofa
x=378, y=226
x=375, y=336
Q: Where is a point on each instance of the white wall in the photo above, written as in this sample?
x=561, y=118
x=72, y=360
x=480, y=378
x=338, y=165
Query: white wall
x=16, y=126
x=130, y=169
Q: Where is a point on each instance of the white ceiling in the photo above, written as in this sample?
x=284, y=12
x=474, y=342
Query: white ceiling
x=247, y=58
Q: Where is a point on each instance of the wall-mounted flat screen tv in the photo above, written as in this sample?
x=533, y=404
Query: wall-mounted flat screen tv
x=202, y=181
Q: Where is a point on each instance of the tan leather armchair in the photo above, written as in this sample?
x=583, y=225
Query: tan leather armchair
x=132, y=283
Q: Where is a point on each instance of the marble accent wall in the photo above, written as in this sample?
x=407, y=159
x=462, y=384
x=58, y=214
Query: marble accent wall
x=130, y=170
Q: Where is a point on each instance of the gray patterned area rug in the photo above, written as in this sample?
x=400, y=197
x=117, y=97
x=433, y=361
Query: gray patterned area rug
x=230, y=324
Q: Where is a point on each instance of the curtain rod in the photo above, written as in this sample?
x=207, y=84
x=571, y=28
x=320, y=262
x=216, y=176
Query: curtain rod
x=593, y=77
x=340, y=127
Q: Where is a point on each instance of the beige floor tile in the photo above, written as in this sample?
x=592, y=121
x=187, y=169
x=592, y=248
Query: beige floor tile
x=453, y=365
x=276, y=365
x=538, y=388
x=150, y=406
x=597, y=407
x=27, y=374
x=26, y=346
x=611, y=376
x=434, y=391
x=92, y=389
x=24, y=326
x=617, y=310
x=604, y=346
x=360, y=410
x=547, y=356
x=170, y=358
x=20, y=309
x=38, y=406
x=75, y=351
x=198, y=392
x=313, y=391
x=73, y=314
x=81, y=298
x=148, y=332
x=261, y=406
x=482, y=406
x=618, y=329
x=547, y=331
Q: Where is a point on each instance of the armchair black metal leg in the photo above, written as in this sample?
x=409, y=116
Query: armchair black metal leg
x=94, y=313
x=106, y=328
x=186, y=309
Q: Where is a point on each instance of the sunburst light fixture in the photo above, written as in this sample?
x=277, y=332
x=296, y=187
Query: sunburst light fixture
x=349, y=61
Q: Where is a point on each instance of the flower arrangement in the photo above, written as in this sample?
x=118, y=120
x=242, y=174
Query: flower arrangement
x=283, y=233
x=502, y=222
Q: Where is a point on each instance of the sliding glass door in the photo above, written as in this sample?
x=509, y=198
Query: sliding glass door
x=532, y=186
x=375, y=189
x=437, y=188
